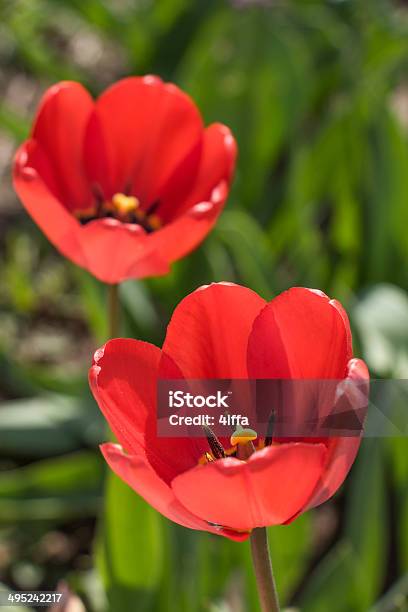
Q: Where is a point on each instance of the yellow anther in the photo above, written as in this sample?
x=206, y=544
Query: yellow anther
x=124, y=204
x=154, y=221
x=243, y=436
x=206, y=458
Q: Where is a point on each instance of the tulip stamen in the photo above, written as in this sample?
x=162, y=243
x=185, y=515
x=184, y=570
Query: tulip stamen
x=269, y=431
x=98, y=210
x=154, y=222
x=152, y=209
x=217, y=448
x=85, y=215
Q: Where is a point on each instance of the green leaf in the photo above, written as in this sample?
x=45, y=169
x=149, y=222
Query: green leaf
x=16, y=381
x=54, y=509
x=137, y=301
x=81, y=471
x=290, y=547
x=129, y=549
x=250, y=250
x=396, y=599
x=93, y=297
x=49, y=425
x=366, y=522
x=397, y=452
x=328, y=588
x=12, y=123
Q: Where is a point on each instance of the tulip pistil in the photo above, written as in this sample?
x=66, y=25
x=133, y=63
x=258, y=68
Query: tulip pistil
x=242, y=436
x=243, y=440
x=124, y=205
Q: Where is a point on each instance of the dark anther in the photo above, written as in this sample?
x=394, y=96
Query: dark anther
x=146, y=226
x=217, y=448
x=143, y=222
x=153, y=207
x=85, y=220
x=269, y=431
x=99, y=199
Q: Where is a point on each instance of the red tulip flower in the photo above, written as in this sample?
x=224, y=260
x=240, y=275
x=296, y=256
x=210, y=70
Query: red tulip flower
x=227, y=331
x=126, y=184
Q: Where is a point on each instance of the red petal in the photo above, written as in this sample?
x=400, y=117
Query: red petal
x=148, y=127
x=268, y=489
x=343, y=451
x=110, y=250
x=181, y=236
x=344, y=316
x=138, y=474
x=35, y=184
x=195, y=215
x=123, y=382
x=300, y=334
x=217, y=164
x=116, y=251
x=208, y=333
x=59, y=128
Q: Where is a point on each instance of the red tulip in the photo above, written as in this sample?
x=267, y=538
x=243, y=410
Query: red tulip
x=227, y=331
x=127, y=184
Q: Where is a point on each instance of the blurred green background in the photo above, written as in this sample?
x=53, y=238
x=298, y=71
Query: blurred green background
x=317, y=96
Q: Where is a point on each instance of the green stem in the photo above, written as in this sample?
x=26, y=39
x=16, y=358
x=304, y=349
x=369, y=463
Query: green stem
x=268, y=596
x=113, y=311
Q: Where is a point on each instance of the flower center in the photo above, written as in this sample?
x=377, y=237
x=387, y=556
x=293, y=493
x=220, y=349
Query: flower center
x=242, y=445
x=125, y=208
x=125, y=205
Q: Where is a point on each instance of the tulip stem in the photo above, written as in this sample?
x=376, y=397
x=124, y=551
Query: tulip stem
x=268, y=596
x=113, y=310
